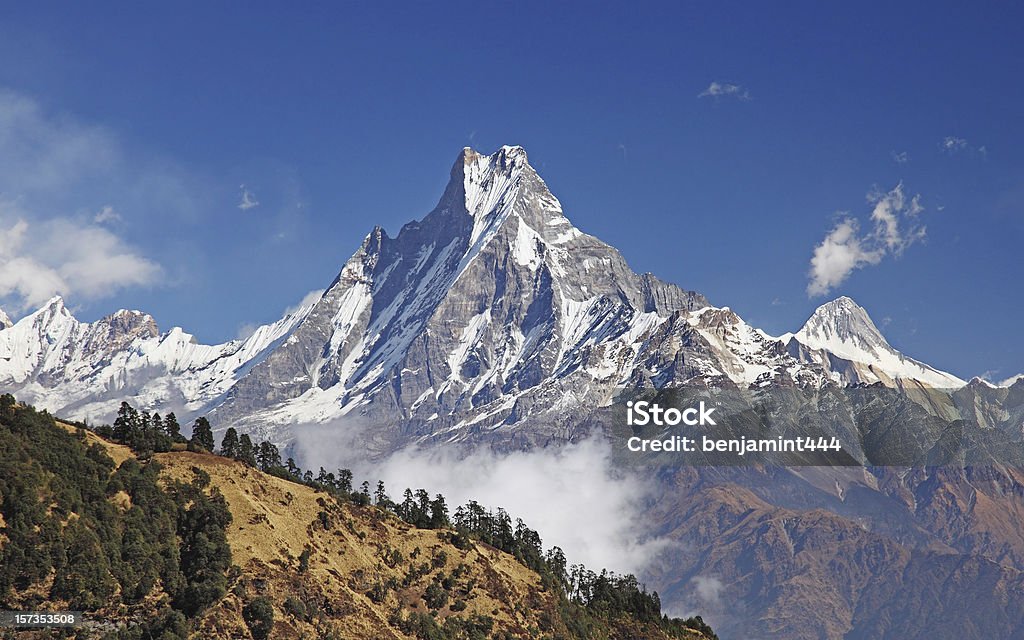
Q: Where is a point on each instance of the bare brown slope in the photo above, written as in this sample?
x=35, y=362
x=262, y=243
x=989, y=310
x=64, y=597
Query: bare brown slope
x=811, y=574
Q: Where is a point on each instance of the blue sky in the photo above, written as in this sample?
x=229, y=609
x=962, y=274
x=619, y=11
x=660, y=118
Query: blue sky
x=128, y=131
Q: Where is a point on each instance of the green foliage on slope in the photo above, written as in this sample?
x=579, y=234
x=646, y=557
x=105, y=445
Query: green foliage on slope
x=93, y=536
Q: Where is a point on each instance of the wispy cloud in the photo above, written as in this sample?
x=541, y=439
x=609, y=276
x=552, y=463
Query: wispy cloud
x=309, y=299
x=245, y=331
x=249, y=200
x=893, y=227
x=708, y=589
x=900, y=157
x=952, y=145
x=106, y=214
x=1009, y=382
x=41, y=153
x=40, y=259
x=725, y=90
x=51, y=166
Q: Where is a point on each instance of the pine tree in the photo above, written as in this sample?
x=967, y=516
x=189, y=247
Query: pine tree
x=380, y=496
x=246, y=450
x=345, y=481
x=259, y=617
x=268, y=456
x=127, y=423
x=202, y=434
x=229, y=445
x=438, y=512
x=172, y=428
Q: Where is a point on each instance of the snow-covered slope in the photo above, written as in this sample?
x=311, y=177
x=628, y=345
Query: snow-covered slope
x=492, y=312
x=843, y=329
x=1009, y=382
x=86, y=369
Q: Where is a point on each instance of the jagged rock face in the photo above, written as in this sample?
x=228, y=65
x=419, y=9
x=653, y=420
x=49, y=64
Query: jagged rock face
x=491, y=295
x=493, y=311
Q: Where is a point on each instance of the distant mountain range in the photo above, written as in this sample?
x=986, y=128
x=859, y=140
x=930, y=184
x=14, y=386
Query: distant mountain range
x=478, y=315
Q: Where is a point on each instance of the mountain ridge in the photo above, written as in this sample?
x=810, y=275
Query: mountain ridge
x=491, y=304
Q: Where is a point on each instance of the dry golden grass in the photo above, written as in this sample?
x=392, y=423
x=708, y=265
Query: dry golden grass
x=275, y=520
x=352, y=552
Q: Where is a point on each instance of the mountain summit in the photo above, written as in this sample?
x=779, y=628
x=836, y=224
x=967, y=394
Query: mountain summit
x=491, y=294
x=487, y=315
x=844, y=329
x=842, y=323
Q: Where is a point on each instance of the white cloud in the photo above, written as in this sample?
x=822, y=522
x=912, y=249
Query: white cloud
x=53, y=169
x=1012, y=380
x=547, y=488
x=890, y=209
x=64, y=256
x=307, y=300
x=708, y=589
x=900, y=157
x=106, y=214
x=953, y=144
x=249, y=200
x=245, y=331
x=724, y=90
x=894, y=227
x=42, y=153
x=837, y=256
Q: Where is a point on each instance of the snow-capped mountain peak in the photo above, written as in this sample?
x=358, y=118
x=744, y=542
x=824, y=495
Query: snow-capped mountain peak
x=5, y=320
x=844, y=329
x=489, y=312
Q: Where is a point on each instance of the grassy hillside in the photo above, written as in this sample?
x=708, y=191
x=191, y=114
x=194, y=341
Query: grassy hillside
x=190, y=544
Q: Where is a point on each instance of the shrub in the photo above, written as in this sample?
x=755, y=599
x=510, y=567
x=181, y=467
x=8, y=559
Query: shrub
x=259, y=617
